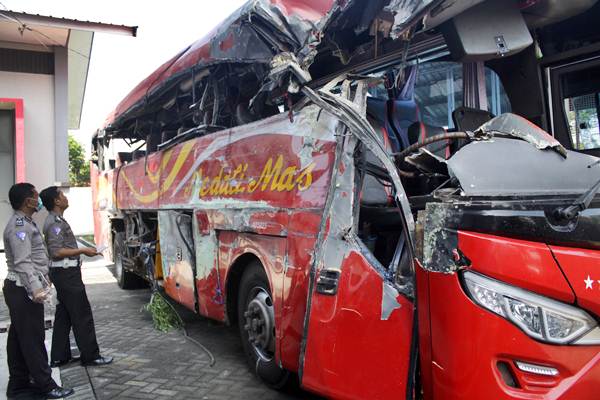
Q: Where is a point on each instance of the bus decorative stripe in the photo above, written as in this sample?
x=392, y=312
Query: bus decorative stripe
x=181, y=158
x=143, y=198
x=154, y=176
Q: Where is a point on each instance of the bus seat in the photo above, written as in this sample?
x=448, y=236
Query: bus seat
x=373, y=193
x=377, y=110
x=404, y=114
x=396, y=116
x=419, y=131
x=469, y=119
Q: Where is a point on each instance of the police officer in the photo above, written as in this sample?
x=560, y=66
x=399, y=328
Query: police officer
x=73, y=308
x=24, y=293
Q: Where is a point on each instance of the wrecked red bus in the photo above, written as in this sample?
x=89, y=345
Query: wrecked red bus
x=391, y=199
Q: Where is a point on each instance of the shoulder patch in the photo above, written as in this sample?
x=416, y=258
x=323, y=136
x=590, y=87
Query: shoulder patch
x=56, y=230
x=21, y=235
x=19, y=222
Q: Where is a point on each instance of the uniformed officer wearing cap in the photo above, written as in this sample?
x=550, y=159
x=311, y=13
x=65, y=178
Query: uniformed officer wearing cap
x=73, y=308
x=24, y=293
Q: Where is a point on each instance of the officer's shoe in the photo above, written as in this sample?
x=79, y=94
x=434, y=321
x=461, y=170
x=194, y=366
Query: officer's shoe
x=60, y=363
x=97, y=362
x=59, y=393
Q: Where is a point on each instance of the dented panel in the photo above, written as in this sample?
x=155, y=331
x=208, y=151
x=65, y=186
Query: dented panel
x=363, y=296
x=440, y=239
x=177, y=254
x=269, y=164
x=258, y=32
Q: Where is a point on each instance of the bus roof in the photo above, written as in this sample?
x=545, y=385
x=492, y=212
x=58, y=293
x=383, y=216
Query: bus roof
x=256, y=32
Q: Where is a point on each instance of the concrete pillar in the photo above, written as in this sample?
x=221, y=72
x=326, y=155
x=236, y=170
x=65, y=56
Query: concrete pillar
x=61, y=113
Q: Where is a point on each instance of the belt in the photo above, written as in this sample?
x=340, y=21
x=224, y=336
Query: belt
x=65, y=263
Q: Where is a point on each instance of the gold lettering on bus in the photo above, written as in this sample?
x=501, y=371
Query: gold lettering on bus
x=274, y=177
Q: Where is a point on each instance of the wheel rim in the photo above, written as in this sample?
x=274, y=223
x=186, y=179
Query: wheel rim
x=260, y=323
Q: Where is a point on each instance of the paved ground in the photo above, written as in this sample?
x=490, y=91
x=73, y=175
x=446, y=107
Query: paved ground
x=152, y=365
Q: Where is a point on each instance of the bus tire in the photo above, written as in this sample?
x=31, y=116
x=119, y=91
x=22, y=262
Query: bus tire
x=256, y=320
x=125, y=279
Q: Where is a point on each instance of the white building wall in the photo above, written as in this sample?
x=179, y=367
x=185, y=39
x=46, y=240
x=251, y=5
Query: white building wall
x=37, y=92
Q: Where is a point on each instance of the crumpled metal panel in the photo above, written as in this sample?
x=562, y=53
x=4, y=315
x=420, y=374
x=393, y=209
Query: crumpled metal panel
x=514, y=125
x=439, y=240
x=291, y=26
x=510, y=167
x=404, y=12
x=256, y=33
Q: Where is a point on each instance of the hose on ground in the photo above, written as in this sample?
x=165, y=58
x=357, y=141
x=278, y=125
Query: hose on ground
x=147, y=254
x=185, y=332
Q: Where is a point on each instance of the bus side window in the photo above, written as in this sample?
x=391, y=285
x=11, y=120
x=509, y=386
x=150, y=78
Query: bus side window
x=581, y=107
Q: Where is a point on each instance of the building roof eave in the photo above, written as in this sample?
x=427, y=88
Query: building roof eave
x=68, y=23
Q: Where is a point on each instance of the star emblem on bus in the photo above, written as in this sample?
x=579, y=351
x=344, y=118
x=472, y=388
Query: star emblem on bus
x=588, y=283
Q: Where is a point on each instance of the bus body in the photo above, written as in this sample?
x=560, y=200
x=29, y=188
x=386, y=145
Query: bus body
x=332, y=178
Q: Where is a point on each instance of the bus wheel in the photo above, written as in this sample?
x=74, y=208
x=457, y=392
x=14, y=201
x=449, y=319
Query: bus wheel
x=256, y=319
x=125, y=279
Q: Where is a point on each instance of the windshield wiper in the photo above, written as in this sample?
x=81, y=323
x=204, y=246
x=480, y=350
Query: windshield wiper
x=583, y=202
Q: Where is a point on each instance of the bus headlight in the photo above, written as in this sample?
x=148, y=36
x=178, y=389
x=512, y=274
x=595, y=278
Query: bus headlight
x=541, y=318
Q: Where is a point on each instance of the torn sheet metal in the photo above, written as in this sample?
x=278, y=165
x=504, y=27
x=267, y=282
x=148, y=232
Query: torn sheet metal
x=519, y=127
x=440, y=241
x=405, y=11
x=389, y=302
x=353, y=116
x=177, y=254
x=509, y=167
x=427, y=162
x=256, y=33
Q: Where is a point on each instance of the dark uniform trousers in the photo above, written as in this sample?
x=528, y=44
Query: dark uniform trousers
x=25, y=348
x=73, y=310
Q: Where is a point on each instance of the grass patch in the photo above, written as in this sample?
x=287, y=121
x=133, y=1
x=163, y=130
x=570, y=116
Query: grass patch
x=163, y=315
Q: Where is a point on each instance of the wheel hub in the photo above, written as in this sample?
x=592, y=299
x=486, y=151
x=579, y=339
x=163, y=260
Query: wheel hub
x=260, y=324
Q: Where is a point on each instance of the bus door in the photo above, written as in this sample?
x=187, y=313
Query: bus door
x=358, y=334
x=178, y=256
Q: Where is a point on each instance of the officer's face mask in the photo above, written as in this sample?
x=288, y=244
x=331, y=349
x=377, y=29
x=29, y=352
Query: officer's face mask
x=37, y=206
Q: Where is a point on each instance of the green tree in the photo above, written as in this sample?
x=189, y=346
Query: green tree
x=79, y=167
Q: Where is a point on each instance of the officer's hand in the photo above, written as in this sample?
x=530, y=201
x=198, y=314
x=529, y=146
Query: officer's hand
x=39, y=296
x=89, y=251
